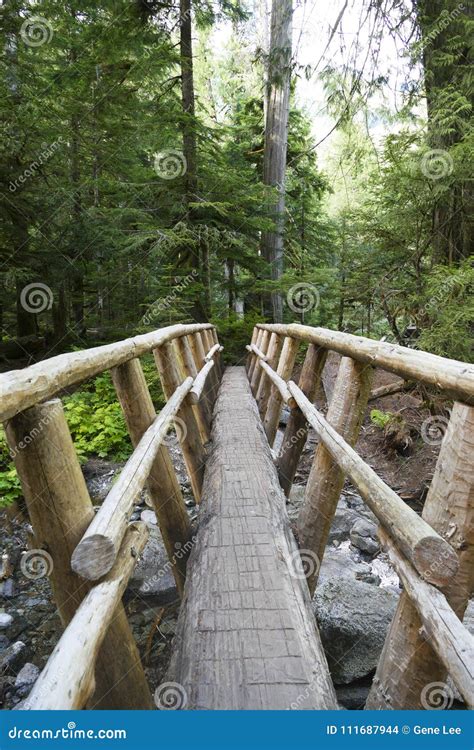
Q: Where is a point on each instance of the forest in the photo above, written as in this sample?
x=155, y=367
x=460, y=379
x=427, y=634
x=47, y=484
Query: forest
x=140, y=186
x=230, y=168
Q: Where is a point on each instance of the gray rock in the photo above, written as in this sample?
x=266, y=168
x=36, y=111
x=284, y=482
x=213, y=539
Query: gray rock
x=8, y=589
x=363, y=535
x=149, y=517
x=352, y=697
x=13, y=657
x=5, y=620
x=353, y=619
x=27, y=675
x=339, y=564
x=4, y=642
x=153, y=576
x=343, y=521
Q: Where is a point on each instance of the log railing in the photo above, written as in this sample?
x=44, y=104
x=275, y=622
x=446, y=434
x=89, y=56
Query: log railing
x=96, y=662
x=433, y=554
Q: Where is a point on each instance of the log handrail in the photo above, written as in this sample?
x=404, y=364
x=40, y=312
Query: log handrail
x=452, y=376
x=20, y=389
x=279, y=383
x=419, y=542
x=258, y=352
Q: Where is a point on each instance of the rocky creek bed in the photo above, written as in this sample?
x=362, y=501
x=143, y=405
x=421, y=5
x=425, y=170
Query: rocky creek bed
x=354, y=603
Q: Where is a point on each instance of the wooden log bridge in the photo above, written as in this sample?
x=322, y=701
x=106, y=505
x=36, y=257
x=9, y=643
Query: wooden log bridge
x=247, y=636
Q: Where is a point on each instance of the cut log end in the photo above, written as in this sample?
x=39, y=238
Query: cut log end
x=93, y=557
x=435, y=560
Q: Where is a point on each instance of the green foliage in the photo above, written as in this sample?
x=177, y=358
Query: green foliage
x=381, y=418
x=96, y=423
x=234, y=334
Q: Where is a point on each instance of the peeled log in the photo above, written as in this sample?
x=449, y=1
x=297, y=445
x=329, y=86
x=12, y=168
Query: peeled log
x=246, y=635
x=96, y=552
x=419, y=542
x=67, y=681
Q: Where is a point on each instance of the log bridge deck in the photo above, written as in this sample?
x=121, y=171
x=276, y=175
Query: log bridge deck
x=246, y=636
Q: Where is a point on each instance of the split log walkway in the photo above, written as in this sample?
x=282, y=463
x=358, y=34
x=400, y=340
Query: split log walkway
x=246, y=636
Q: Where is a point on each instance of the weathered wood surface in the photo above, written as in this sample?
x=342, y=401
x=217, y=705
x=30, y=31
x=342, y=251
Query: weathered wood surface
x=246, y=636
x=326, y=478
x=60, y=511
x=279, y=384
x=196, y=392
x=258, y=373
x=264, y=387
x=96, y=552
x=188, y=366
x=415, y=538
x=296, y=430
x=454, y=377
x=286, y=363
x=391, y=389
x=162, y=483
x=67, y=682
x=452, y=642
x=20, y=389
x=408, y=662
x=171, y=376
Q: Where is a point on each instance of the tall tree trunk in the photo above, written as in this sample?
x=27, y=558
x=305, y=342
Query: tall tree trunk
x=452, y=220
x=276, y=137
x=200, y=264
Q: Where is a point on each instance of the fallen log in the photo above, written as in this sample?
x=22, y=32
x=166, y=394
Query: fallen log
x=418, y=541
x=391, y=389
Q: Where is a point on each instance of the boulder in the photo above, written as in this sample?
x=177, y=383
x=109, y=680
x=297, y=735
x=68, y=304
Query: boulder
x=153, y=576
x=25, y=680
x=353, y=619
x=363, y=535
x=338, y=563
x=5, y=620
x=13, y=657
x=344, y=520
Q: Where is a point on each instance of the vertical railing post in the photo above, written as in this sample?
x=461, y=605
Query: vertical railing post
x=198, y=352
x=275, y=401
x=296, y=431
x=326, y=480
x=213, y=375
x=408, y=665
x=258, y=372
x=60, y=511
x=163, y=486
x=250, y=356
x=264, y=387
x=189, y=368
x=254, y=359
x=187, y=430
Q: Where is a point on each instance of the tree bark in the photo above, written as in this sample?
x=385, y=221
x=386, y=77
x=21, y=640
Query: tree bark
x=276, y=137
